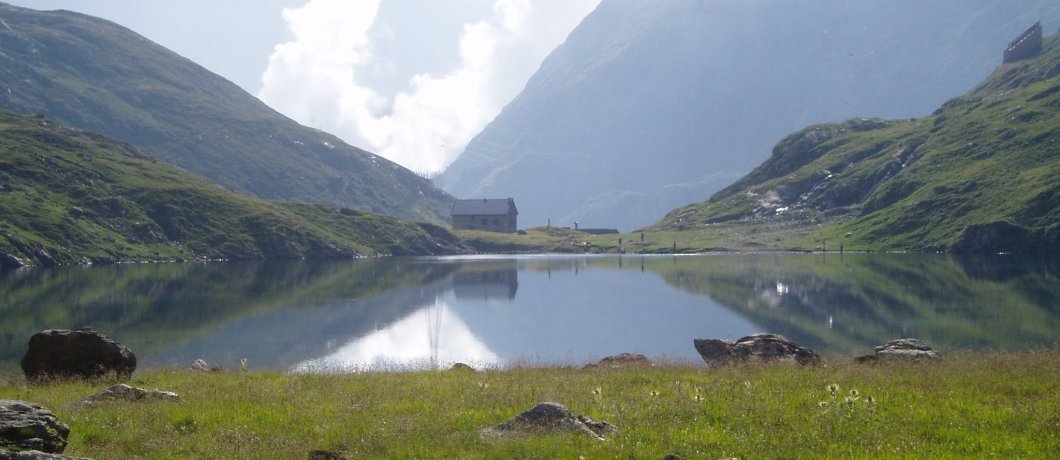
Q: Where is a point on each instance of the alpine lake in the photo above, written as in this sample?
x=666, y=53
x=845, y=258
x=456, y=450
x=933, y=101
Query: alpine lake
x=497, y=311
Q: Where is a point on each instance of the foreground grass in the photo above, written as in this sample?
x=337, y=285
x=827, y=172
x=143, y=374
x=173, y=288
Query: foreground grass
x=993, y=405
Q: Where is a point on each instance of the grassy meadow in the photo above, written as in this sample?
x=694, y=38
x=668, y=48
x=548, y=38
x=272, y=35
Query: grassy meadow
x=993, y=405
x=724, y=237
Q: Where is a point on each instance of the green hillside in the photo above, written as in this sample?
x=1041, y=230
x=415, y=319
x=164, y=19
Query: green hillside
x=72, y=196
x=96, y=75
x=979, y=175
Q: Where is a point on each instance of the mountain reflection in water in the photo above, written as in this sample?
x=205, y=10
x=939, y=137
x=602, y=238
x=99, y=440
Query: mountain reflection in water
x=415, y=313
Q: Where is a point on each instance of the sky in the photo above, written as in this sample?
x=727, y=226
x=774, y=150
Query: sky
x=411, y=80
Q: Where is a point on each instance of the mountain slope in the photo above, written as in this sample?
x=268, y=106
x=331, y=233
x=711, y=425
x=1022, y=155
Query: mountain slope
x=652, y=105
x=980, y=174
x=93, y=74
x=72, y=196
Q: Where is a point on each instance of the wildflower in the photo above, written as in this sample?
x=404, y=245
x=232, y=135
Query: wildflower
x=854, y=392
x=697, y=397
x=823, y=403
x=243, y=363
x=598, y=391
x=483, y=385
x=833, y=388
x=870, y=400
x=654, y=393
x=849, y=400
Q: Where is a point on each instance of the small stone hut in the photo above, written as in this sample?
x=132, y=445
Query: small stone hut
x=494, y=215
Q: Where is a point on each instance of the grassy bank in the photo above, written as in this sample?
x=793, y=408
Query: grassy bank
x=731, y=236
x=989, y=405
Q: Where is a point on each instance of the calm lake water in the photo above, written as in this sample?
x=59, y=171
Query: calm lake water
x=420, y=312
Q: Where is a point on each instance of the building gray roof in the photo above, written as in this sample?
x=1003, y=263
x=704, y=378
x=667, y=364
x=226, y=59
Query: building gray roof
x=484, y=207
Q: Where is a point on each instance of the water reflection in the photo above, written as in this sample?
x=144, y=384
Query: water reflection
x=431, y=338
x=499, y=280
x=848, y=305
x=395, y=313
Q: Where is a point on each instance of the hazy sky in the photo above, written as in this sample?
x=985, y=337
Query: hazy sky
x=412, y=80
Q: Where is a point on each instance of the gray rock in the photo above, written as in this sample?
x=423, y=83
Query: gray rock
x=123, y=392
x=327, y=455
x=621, y=360
x=26, y=426
x=203, y=366
x=901, y=349
x=11, y=261
x=35, y=455
x=78, y=353
x=44, y=258
x=550, y=417
x=754, y=348
x=462, y=367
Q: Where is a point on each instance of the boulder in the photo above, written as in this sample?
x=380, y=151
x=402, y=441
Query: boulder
x=35, y=455
x=123, y=392
x=77, y=353
x=44, y=258
x=462, y=367
x=755, y=347
x=902, y=349
x=26, y=426
x=321, y=454
x=621, y=360
x=203, y=366
x=550, y=417
x=11, y=261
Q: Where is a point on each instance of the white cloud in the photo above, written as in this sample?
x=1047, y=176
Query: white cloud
x=316, y=76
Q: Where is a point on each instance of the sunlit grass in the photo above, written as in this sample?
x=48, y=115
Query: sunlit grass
x=1003, y=405
x=764, y=236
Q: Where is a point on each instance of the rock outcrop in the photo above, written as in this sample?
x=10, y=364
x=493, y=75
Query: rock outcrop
x=11, y=261
x=35, y=455
x=123, y=392
x=77, y=353
x=550, y=417
x=901, y=349
x=321, y=454
x=754, y=348
x=621, y=360
x=202, y=366
x=26, y=426
x=1001, y=236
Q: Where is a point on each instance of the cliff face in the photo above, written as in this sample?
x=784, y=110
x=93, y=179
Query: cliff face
x=978, y=175
x=651, y=105
x=96, y=75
